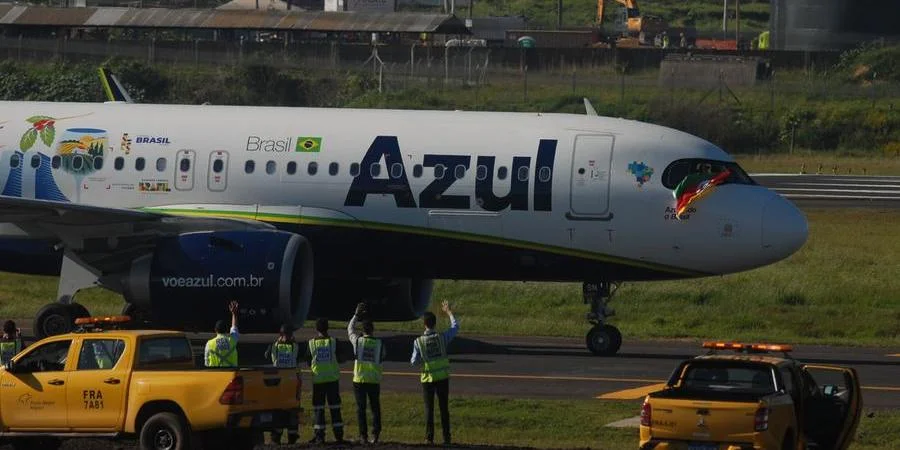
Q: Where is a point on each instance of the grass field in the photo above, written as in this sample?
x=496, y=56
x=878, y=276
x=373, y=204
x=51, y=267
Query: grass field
x=490, y=420
x=841, y=288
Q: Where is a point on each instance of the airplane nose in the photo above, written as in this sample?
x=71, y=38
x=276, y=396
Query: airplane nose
x=784, y=229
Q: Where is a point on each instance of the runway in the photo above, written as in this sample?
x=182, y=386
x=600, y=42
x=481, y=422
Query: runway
x=844, y=191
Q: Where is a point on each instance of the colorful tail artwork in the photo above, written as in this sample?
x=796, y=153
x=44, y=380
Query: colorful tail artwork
x=694, y=187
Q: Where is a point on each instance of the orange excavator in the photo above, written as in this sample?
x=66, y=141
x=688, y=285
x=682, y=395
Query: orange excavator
x=644, y=27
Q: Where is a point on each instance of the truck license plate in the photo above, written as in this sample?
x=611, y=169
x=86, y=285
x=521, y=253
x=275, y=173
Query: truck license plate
x=265, y=417
x=703, y=446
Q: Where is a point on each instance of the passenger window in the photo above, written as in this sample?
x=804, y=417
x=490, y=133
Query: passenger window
x=249, y=166
x=417, y=170
x=523, y=173
x=160, y=164
x=501, y=173
x=98, y=162
x=271, y=167
x=333, y=169
x=544, y=174
x=396, y=170
x=439, y=171
x=787, y=381
x=291, y=168
x=155, y=351
x=312, y=168
x=218, y=165
x=50, y=357
x=100, y=354
x=77, y=162
x=375, y=170
x=481, y=173
x=459, y=172
x=119, y=163
x=185, y=164
x=56, y=161
x=14, y=161
x=35, y=161
x=354, y=169
x=139, y=164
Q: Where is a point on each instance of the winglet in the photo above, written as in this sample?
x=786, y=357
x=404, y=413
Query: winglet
x=114, y=90
x=589, y=108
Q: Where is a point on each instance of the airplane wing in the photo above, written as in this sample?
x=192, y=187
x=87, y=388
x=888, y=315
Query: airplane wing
x=107, y=239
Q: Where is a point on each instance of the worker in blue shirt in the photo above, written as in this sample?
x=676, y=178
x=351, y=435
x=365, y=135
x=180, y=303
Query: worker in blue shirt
x=431, y=350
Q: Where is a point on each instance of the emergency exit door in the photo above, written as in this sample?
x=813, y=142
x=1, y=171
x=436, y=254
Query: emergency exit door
x=184, y=170
x=218, y=171
x=591, y=161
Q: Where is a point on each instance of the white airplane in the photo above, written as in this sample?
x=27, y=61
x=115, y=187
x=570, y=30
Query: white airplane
x=302, y=212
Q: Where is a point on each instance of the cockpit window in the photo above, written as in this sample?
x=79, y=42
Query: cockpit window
x=681, y=168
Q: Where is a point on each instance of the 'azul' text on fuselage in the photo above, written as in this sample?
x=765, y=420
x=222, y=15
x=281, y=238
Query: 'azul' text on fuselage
x=396, y=183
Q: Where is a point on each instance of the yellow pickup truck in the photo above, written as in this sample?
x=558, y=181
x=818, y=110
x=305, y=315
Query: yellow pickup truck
x=752, y=399
x=138, y=384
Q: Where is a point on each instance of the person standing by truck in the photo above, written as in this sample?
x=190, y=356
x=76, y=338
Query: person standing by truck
x=10, y=343
x=323, y=363
x=284, y=353
x=367, y=372
x=431, y=350
x=221, y=351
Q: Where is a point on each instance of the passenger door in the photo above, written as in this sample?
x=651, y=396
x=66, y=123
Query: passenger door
x=834, y=406
x=184, y=170
x=97, y=386
x=591, y=160
x=33, y=391
x=217, y=180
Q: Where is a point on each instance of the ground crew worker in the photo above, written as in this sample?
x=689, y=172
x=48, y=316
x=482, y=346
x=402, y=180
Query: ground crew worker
x=431, y=350
x=101, y=356
x=10, y=343
x=284, y=353
x=367, y=370
x=323, y=363
x=221, y=351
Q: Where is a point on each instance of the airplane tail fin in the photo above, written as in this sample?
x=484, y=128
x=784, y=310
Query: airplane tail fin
x=114, y=90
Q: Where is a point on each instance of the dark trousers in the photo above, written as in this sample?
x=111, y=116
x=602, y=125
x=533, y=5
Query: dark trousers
x=331, y=393
x=372, y=391
x=442, y=389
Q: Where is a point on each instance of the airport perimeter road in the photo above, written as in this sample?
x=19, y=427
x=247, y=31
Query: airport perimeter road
x=562, y=368
x=835, y=190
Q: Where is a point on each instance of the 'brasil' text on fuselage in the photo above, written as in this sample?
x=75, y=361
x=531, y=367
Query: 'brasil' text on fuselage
x=432, y=196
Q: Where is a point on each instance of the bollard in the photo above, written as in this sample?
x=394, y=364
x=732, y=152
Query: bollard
x=834, y=170
x=865, y=172
x=819, y=169
x=802, y=168
x=849, y=170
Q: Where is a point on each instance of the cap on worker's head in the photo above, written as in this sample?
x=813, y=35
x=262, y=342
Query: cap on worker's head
x=221, y=326
x=429, y=319
x=9, y=327
x=286, y=330
x=322, y=325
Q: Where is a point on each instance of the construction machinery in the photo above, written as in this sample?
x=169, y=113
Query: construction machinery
x=645, y=28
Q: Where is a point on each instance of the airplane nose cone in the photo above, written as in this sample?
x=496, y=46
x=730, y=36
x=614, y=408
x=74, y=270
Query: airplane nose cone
x=784, y=229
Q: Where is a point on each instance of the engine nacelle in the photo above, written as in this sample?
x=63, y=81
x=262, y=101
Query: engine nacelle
x=388, y=300
x=188, y=279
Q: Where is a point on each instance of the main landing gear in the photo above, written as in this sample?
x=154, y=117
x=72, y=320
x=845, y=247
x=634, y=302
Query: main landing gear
x=59, y=318
x=603, y=339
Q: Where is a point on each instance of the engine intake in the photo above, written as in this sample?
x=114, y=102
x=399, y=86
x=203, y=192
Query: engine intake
x=188, y=280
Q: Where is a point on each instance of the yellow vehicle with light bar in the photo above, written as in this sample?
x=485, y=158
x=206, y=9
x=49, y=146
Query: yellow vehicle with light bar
x=754, y=397
x=103, y=382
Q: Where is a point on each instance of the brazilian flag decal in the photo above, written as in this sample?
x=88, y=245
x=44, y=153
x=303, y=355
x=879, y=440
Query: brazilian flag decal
x=309, y=144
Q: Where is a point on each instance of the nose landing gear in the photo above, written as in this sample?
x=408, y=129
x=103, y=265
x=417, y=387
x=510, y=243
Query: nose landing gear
x=602, y=339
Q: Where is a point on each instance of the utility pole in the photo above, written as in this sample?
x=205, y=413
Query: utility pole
x=737, y=22
x=725, y=20
x=559, y=11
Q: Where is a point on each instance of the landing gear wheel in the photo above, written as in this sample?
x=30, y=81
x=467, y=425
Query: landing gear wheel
x=78, y=311
x=53, y=319
x=604, y=340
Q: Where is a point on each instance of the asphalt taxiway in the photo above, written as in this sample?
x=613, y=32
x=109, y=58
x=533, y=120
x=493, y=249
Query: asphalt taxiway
x=842, y=191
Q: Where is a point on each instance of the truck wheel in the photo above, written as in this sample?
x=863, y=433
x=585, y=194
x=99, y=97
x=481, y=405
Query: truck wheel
x=164, y=431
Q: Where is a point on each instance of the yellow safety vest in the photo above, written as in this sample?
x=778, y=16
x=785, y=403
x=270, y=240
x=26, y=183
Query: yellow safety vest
x=324, y=366
x=367, y=367
x=435, y=362
x=8, y=349
x=103, y=359
x=284, y=354
x=764, y=40
x=222, y=351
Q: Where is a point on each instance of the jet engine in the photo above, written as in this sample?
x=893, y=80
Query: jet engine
x=387, y=300
x=188, y=280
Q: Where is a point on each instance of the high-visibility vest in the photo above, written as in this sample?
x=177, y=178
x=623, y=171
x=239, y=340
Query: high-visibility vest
x=435, y=362
x=324, y=366
x=222, y=351
x=764, y=40
x=367, y=367
x=8, y=349
x=284, y=354
x=102, y=357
